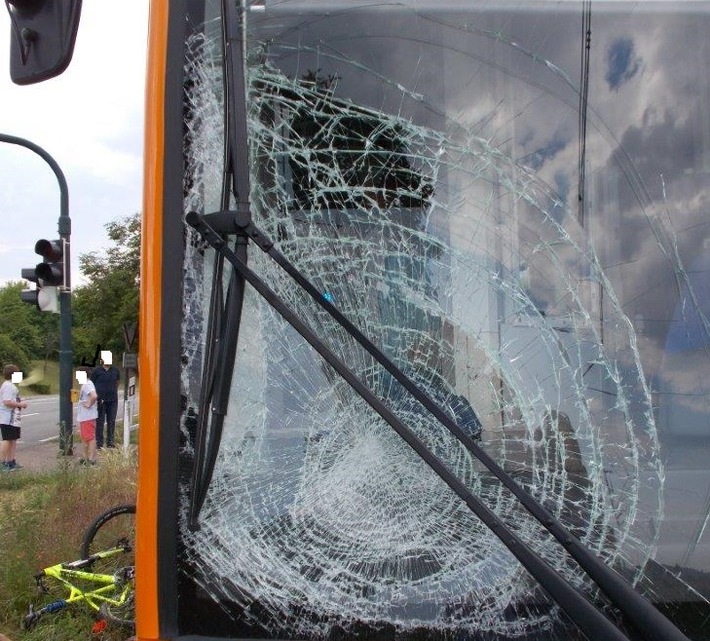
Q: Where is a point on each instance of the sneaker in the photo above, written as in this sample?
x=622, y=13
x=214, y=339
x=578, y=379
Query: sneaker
x=14, y=465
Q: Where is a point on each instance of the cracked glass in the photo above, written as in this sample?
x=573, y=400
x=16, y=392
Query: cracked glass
x=509, y=199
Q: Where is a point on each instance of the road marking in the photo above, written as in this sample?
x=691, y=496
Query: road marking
x=25, y=414
x=47, y=440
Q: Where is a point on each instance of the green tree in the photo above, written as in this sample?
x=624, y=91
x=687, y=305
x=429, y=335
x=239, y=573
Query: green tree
x=22, y=328
x=109, y=298
x=12, y=353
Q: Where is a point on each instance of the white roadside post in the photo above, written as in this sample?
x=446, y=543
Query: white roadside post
x=130, y=362
x=128, y=413
x=130, y=366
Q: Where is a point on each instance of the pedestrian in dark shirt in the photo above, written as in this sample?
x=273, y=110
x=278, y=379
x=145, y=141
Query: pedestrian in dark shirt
x=106, y=379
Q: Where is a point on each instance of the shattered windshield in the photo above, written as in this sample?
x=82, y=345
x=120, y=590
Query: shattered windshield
x=509, y=200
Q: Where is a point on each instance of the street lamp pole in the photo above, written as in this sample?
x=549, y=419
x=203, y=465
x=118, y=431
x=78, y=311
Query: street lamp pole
x=65, y=341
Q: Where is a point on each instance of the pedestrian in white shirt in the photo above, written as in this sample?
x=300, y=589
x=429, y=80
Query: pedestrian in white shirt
x=86, y=413
x=10, y=407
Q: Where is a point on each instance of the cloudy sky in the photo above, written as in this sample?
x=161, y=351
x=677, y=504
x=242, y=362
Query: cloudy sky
x=90, y=120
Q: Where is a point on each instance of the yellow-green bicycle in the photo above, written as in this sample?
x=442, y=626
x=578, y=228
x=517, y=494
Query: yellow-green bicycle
x=103, y=578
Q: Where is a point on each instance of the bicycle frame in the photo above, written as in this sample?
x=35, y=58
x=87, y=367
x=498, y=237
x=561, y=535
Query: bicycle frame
x=111, y=589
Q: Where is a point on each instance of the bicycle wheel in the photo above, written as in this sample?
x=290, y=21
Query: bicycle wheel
x=115, y=528
x=123, y=614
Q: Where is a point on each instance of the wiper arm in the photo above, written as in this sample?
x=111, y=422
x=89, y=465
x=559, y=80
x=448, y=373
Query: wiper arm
x=587, y=617
x=638, y=610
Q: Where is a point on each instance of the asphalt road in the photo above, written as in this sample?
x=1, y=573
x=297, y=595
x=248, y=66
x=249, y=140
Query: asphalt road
x=40, y=421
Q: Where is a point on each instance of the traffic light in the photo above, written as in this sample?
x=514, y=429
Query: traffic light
x=51, y=271
x=47, y=275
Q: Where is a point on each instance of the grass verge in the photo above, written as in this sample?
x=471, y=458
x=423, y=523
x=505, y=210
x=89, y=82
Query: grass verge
x=43, y=372
x=44, y=517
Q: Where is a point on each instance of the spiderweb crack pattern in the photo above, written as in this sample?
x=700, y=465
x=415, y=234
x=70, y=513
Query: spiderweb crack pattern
x=318, y=514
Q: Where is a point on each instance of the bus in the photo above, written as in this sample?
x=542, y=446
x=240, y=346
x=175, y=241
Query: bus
x=425, y=321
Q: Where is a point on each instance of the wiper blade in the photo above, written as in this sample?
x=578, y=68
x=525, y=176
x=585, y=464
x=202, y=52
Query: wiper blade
x=221, y=347
x=206, y=391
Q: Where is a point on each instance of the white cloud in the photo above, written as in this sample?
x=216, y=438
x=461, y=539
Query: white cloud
x=90, y=120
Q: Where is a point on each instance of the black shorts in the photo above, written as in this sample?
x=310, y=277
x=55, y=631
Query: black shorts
x=10, y=432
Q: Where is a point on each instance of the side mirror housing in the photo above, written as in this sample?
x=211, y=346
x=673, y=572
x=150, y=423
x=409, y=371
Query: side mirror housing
x=42, y=38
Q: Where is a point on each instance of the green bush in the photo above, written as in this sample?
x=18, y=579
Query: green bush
x=41, y=388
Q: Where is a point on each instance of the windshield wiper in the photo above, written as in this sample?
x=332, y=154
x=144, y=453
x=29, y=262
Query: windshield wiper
x=221, y=346
x=224, y=319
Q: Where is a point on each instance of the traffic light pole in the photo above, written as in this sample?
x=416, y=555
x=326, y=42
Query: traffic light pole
x=65, y=342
